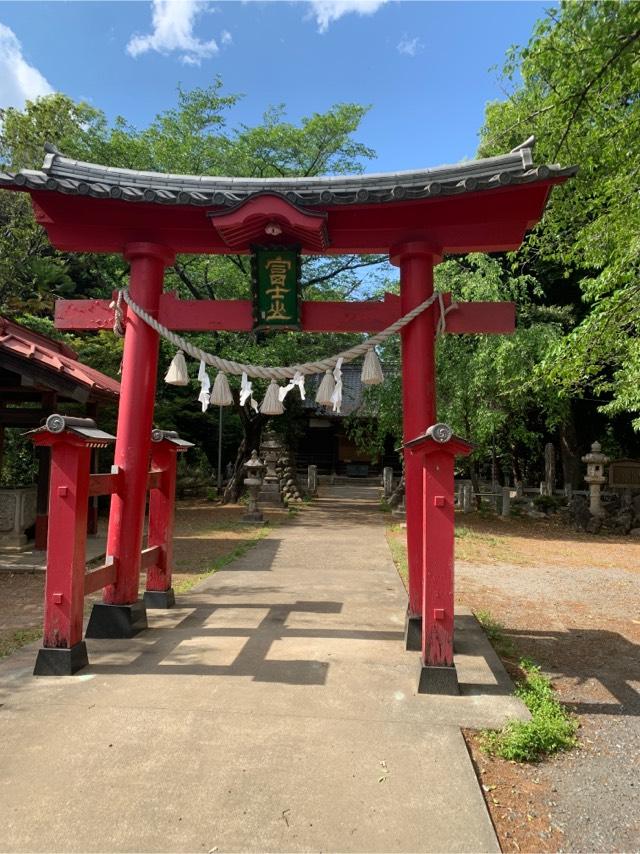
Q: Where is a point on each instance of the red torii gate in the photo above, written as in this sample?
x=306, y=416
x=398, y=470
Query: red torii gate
x=415, y=217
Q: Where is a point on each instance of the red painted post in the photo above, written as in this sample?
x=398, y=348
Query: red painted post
x=135, y=417
x=159, y=592
x=416, y=262
x=63, y=650
x=438, y=558
x=437, y=457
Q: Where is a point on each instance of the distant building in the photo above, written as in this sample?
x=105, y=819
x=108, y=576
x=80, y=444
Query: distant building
x=326, y=442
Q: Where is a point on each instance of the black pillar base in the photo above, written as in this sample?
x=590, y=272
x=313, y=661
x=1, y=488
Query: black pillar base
x=413, y=633
x=61, y=662
x=438, y=680
x=117, y=621
x=159, y=598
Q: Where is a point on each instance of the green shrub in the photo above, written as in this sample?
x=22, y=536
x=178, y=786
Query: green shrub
x=548, y=503
x=550, y=729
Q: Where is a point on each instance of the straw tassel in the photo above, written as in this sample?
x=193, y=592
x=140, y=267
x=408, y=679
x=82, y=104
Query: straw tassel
x=372, y=369
x=272, y=405
x=221, y=393
x=326, y=389
x=177, y=373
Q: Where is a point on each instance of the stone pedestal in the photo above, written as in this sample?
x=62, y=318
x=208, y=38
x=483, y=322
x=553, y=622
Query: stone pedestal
x=17, y=513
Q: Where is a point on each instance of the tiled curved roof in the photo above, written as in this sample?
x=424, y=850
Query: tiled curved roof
x=55, y=358
x=76, y=177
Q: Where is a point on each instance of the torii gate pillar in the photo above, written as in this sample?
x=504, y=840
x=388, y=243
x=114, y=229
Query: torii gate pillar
x=416, y=261
x=122, y=613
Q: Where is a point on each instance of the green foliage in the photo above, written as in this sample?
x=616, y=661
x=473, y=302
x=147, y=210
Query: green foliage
x=192, y=137
x=548, y=503
x=19, y=464
x=575, y=86
x=494, y=630
x=491, y=388
x=551, y=728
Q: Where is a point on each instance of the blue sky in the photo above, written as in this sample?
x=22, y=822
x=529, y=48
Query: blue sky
x=425, y=68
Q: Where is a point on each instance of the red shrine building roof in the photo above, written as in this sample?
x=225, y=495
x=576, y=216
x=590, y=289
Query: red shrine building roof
x=478, y=205
x=43, y=363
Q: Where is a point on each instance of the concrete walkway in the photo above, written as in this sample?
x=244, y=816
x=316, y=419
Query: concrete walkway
x=273, y=710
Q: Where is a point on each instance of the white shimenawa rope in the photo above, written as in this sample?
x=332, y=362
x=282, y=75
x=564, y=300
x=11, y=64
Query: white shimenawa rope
x=288, y=373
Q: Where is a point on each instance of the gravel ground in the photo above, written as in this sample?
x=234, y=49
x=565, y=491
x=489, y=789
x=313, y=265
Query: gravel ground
x=582, y=624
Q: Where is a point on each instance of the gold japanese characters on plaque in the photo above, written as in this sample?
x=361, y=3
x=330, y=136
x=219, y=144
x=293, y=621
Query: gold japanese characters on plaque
x=276, y=274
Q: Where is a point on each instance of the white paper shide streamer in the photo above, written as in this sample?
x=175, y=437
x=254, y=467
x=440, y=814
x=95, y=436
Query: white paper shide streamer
x=336, y=397
x=298, y=380
x=246, y=392
x=205, y=386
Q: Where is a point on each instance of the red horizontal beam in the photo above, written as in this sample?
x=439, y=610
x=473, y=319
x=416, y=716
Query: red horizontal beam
x=237, y=315
x=150, y=557
x=99, y=578
x=103, y=484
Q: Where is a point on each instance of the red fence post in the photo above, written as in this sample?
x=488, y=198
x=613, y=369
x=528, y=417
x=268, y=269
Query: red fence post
x=436, y=451
x=63, y=651
x=165, y=447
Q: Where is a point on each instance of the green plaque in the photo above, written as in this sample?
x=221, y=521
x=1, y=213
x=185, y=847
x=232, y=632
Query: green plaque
x=275, y=288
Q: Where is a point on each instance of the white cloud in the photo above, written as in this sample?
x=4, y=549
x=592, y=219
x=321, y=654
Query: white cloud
x=19, y=81
x=327, y=11
x=173, y=24
x=409, y=47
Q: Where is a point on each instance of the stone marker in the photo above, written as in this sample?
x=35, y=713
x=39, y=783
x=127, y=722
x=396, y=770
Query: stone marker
x=387, y=481
x=467, y=498
x=506, y=501
x=312, y=480
x=549, y=468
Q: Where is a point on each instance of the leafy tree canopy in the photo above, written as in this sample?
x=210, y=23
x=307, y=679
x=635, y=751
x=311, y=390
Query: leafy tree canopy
x=576, y=86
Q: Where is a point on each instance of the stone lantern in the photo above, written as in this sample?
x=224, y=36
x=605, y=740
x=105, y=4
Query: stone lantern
x=255, y=470
x=271, y=449
x=596, y=462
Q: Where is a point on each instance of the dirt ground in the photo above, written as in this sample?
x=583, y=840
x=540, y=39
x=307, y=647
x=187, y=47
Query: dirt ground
x=570, y=602
x=205, y=534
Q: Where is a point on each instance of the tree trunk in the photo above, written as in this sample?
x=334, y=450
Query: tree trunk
x=252, y=425
x=569, y=453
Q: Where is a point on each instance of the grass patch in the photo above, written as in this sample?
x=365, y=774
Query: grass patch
x=398, y=551
x=219, y=563
x=551, y=728
x=502, y=644
x=10, y=643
